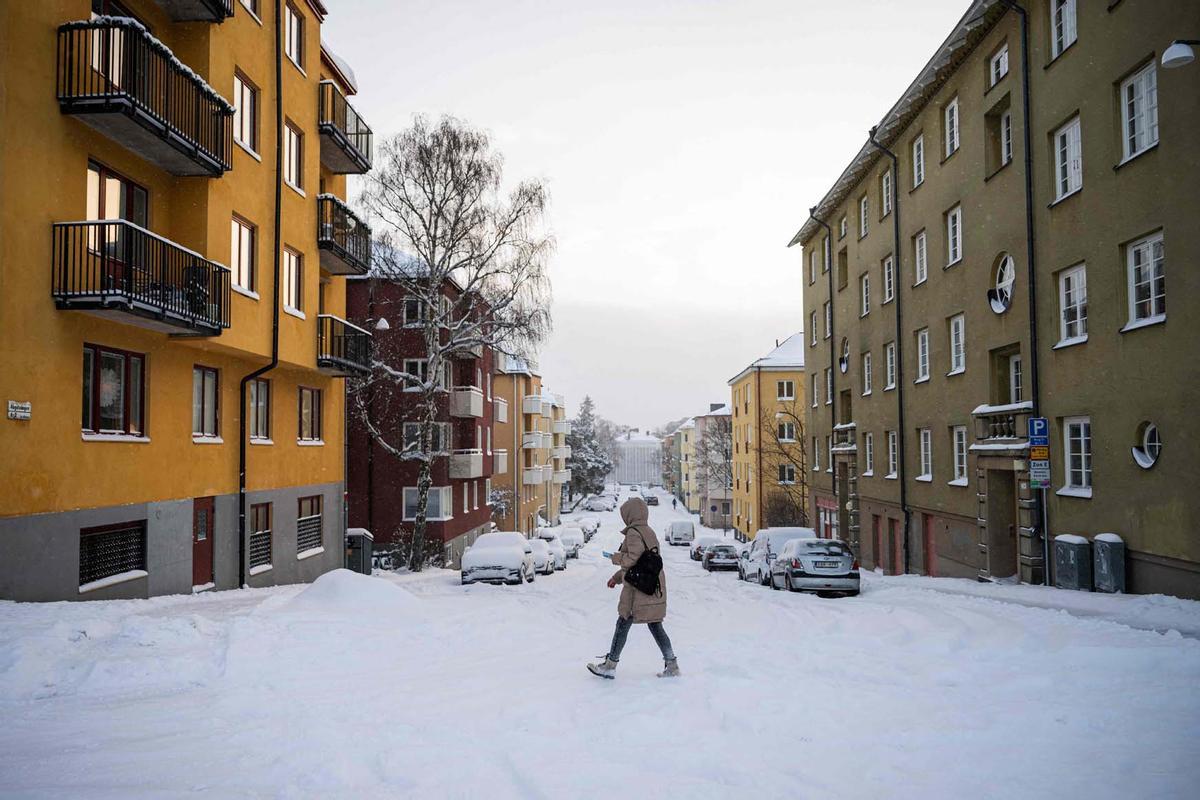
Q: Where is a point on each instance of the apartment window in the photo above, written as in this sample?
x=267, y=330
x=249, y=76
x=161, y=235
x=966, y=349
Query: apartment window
x=260, y=537
x=1147, y=287
x=241, y=253
x=1077, y=445
x=825, y=254
x=1015, y=379
x=1062, y=25
x=863, y=211
x=812, y=327
x=843, y=269
x=889, y=359
x=920, y=262
x=958, y=344
x=1006, y=142
x=785, y=390
x=866, y=374
x=417, y=367
x=889, y=280
x=828, y=454
x=1072, y=303
x=487, y=491
x=439, y=506
x=1147, y=446
x=922, y=355
x=885, y=192
x=293, y=156
x=925, y=437
x=260, y=409
x=414, y=312
x=954, y=242
x=439, y=437
x=787, y=431
x=959, y=437
x=893, y=453
x=114, y=391
x=844, y=360
x=251, y=6
x=466, y=500
x=816, y=454
x=111, y=550
x=828, y=385
x=293, y=31
x=308, y=524
x=205, y=394
x=950, y=128
x=812, y=267
x=918, y=161
x=864, y=294
x=309, y=429
x=869, y=454
x=842, y=228
x=816, y=394
x=1068, y=160
x=293, y=279
x=1139, y=111
x=828, y=319
x=245, y=112
x=787, y=473
x=998, y=65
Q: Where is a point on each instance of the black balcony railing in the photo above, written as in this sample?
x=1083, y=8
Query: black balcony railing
x=344, y=240
x=345, y=138
x=343, y=349
x=117, y=266
x=197, y=10
x=131, y=87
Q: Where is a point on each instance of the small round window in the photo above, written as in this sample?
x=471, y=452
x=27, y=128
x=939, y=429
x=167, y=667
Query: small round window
x=1001, y=294
x=844, y=361
x=1148, y=446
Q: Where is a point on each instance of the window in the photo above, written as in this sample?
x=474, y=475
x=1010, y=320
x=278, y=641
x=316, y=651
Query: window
x=205, y=417
x=958, y=344
x=787, y=473
x=1077, y=445
x=114, y=391
x=487, y=491
x=918, y=161
x=308, y=524
x=885, y=192
x=466, y=500
x=439, y=437
x=922, y=355
x=869, y=454
x=829, y=454
x=893, y=453
x=816, y=394
x=1015, y=388
x=1147, y=287
x=954, y=231
x=293, y=31
x=889, y=280
x=785, y=390
x=828, y=385
x=309, y=429
x=864, y=294
x=816, y=454
x=1006, y=142
x=1068, y=160
x=889, y=359
x=241, y=254
x=920, y=263
x=926, y=440
x=251, y=6
x=844, y=359
x=812, y=327
x=293, y=279
x=1139, y=111
x=293, y=156
x=843, y=269
x=1147, y=446
x=245, y=112
x=110, y=551
x=787, y=431
x=959, y=437
x=414, y=312
x=842, y=228
x=440, y=504
x=1062, y=25
x=1072, y=303
x=1001, y=294
x=812, y=267
x=260, y=409
x=950, y=129
x=866, y=374
x=828, y=319
x=998, y=65
x=863, y=222
x=825, y=254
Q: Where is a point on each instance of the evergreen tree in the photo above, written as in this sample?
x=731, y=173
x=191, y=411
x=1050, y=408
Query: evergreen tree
x=590, y=460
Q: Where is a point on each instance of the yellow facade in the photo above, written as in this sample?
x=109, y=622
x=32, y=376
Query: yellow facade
x=690, y=483
x=535, y=437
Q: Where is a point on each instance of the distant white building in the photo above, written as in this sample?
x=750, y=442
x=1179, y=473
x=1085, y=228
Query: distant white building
x=639, y=459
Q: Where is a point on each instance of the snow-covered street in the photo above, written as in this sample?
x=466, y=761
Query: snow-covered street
x=415, y=686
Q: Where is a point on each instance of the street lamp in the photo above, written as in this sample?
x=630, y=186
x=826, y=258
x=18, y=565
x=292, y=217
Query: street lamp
x=1179, y=54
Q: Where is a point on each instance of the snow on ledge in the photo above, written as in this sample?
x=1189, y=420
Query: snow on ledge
x=1108, y=537
x=957, y=482
x=309, y=553
x=926, y=478
x=845, y=426
x=1070, y=538
x=115, y=437
x=260, y=569
x=1075, y=491
x=1024, y=405
x=113, y=580
x=1008, y=444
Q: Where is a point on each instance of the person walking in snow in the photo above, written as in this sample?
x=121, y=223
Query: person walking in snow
x=674, y=503
x=635, y=606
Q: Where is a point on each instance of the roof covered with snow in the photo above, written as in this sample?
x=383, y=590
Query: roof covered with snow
x=787, y=355
x=342, y=69
x=723, y=411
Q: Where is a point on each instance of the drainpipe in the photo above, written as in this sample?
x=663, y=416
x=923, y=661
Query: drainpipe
x=1040, y=511
x=812, y=212
x=896, y=273
x=242, y=441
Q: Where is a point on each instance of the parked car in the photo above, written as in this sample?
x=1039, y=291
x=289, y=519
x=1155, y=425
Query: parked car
x=589, y=525
x=599, y=503
x=701, y=544
x=816, y=565
x=498, y=557
x=720, y=556
x=556, y=547
x=543, y=559
x=756, y=562
x=680, y=531
x=651, y=499
x=572, y=539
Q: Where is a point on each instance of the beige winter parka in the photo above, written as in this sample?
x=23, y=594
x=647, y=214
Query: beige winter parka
x=643, y=608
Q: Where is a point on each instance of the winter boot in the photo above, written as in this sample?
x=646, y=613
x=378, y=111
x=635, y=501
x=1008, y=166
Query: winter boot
x=670, y=669
x=605, y=669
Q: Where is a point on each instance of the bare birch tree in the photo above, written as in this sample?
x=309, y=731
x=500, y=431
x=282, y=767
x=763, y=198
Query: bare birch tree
x=785, y=466
x=714, y=461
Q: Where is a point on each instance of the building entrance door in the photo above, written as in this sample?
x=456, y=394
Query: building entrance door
x=202, y=541
x=1002, y=524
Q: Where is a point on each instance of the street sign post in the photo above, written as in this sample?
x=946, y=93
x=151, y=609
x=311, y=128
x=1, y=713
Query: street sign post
x=1039, y=453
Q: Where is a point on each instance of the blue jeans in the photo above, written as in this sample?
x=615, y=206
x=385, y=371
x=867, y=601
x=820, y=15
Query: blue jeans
x=622, y=633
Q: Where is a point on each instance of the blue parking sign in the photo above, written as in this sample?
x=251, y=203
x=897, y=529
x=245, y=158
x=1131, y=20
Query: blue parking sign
x=1039, y=427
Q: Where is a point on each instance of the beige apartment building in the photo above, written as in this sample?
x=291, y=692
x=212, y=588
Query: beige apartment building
x=1009, y=261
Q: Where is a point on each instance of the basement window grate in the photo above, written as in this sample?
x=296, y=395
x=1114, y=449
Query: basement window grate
x=308, y=533
x=111, y=550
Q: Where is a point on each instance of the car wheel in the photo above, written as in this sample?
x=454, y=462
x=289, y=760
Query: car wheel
x=774, y=583
x=787, y=583
x=762, y=579
x=852, y=594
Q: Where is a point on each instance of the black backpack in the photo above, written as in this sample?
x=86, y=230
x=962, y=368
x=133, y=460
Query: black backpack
x=643, y=575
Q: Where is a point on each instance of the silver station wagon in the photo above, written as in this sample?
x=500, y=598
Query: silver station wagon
x=816, y=565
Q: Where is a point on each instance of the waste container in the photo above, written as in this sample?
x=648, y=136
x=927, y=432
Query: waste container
x=1108, y=556
x=359, y=543
x=1072, y=562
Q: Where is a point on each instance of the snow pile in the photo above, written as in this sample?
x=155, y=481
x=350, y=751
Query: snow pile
x=349, y=593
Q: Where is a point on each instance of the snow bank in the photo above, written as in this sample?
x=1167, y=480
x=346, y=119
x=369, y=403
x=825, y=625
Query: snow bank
x=344, y=592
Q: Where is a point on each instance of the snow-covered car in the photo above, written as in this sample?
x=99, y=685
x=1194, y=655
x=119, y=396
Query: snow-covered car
x=589, y=525
x=572, y=539
x=543, y=559
x=767, y=544
x=720, y=556
x=651, y=499
x=816, y=565
x=498, y=557
x=600, y=502
x=680, y=531
x=556, y=547
x=699, y=546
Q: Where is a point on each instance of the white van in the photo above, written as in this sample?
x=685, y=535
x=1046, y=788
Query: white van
x=681, y=532
x=755, y=563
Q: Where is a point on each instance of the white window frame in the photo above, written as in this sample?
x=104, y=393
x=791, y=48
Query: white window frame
x=893, y=444
x=828, y=319
x=245, y=113
x=1068, y=159
x=951, y=124
x=243, y=246
x=1077, y=481
x=1006, y=142
x=959, y=437
x=885, y=191
x=828, y=386
x=812, y=267
x=889, y=362
x=866, y=374
x=787, y=474
x=1139, y=111
x=293, y=26
x=829, y=454
x=864, y=293
x=922, y=355
x=954, y=236
x=293, y=280
x=998, y=65
x=1146, y=257
x=1063, y=31
x=869, y=454
x=785, y=390
x=812, y=324
x=920, y=258
x=864, y=211
x=958, y=344
x=842, y=227
x=1072, y=281
x=1016, y=388
x=889, y=279
x=445, y=502
x=816, y=391
x=824, y=254
x=816, y=449
x=918, y=160
x=925, y=438
x=440, y=445
x=787, y=431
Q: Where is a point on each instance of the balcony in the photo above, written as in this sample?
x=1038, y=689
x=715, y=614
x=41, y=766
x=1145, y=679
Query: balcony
x=197, y=10
x=561, y=427
x=466, y=402
x=531, y=404
x=531, y=476
x=561, y=452
x=1001, y=430
x=466, y=464
x=345, y=138
x=501, y=410
x=117, y=78
x=343, y=349
x=845, y=439
x=342, y=238
x=547, y=473
x=499, y=461
x=562, y=476
x=547, y=407
x=467, y=353
x=531, y=440
x=120, y=270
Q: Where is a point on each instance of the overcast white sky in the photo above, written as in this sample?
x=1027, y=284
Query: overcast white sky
x=682, y=142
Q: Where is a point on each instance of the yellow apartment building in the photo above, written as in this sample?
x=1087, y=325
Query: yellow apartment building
x=689, y=480
x=173, y=249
